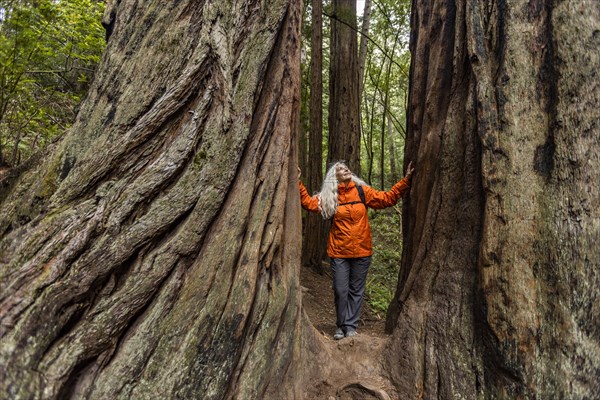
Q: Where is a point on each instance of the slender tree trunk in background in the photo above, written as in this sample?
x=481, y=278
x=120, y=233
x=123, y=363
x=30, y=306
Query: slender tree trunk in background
x=362, y=55
x=382, y=142
x=15, y=152
x=305, y=93
x=367, y=138
x=385, y=113
x=371, y=149
x=499, y=288
x=315, y=231
x=362, y=60
x=303, y=143
x=156, y=253
x=344, y=111
x=392, y=150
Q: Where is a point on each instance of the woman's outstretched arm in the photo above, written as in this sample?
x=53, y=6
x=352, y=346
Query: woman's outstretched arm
x=383, y=199
x=310, y=203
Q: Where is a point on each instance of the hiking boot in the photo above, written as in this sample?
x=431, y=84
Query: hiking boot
x=351, y=332
x=339, y=334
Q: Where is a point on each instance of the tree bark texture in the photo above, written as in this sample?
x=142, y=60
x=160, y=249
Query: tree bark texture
x=498, y=295
x=156, y=253
x=344, y=107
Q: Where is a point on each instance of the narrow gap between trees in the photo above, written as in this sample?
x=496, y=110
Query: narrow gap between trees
x=317, y=296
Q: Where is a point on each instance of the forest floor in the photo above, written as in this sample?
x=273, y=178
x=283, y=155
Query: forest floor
x=354, y=368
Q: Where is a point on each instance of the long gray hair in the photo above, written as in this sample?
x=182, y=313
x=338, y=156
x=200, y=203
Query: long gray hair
x=328, y=196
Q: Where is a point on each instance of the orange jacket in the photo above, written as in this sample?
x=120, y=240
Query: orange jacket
x=350, y=234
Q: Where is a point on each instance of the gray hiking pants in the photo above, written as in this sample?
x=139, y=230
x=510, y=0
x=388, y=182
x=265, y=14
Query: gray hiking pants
x=349, y=279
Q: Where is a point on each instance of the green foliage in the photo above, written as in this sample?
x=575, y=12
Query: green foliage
x=386, y=77
x=386, y=227
x=49, y=50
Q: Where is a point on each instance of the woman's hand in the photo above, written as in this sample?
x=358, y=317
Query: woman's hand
x=409, y=171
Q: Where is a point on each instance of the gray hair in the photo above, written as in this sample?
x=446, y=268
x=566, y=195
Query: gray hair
x=328, y=196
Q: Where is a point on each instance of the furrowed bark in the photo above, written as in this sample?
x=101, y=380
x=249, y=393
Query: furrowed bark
x=147, y=257
x=499, y=281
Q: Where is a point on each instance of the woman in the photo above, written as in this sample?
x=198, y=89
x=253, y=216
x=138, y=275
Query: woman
x=349, y=245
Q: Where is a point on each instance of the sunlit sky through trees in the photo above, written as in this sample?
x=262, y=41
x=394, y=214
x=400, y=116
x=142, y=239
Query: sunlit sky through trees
x=360, y=6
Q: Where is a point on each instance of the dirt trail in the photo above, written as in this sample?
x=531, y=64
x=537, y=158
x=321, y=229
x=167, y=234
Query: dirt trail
x=319, y=305
x=353, y=368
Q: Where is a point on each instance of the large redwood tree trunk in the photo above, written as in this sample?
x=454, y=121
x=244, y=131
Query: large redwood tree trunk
x=155, y=254
x=499, y=287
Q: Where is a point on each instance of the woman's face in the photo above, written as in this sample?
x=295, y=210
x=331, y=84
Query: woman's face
x=343, y=174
